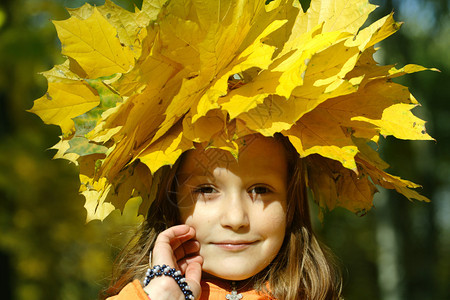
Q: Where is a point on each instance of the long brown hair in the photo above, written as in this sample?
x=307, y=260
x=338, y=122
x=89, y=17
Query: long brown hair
x=302, y=269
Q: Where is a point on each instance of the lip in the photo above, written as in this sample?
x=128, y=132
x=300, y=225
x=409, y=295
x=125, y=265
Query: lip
x=234, y=245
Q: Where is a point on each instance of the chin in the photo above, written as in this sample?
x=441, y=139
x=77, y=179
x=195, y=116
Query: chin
x=231, y=276
x=236, y=273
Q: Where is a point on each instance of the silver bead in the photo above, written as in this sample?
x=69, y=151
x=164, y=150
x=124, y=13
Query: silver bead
x=177, y=273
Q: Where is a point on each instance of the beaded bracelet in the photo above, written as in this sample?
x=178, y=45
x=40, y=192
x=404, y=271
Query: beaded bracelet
x=164, y=270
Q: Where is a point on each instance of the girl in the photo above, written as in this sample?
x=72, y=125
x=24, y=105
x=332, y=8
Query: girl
x=147, y=101
x=246, y=229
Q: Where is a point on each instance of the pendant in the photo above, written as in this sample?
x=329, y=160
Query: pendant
x=234, y=294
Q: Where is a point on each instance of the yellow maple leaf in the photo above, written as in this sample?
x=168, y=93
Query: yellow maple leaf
x=338, y=15
x=389, y=181
x=93, y=43
x=61, y=147
x=398, y=120
x=62, y=73
x=335, y=186
x=62, y=102
x=166, y=150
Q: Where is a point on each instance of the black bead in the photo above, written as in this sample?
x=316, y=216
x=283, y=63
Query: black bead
x=171, y=273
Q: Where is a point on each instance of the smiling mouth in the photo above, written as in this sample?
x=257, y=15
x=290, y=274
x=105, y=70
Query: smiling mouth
x=234, y=245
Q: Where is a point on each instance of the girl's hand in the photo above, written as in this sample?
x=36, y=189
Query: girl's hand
x=177, y=248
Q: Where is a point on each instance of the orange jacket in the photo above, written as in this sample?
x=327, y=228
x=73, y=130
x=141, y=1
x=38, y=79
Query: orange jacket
x=210, y=291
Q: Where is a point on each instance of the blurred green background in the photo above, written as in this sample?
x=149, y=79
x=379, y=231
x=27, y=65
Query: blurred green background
x=399, y=250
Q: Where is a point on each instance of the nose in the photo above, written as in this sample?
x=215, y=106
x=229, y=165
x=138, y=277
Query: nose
x=235, y=211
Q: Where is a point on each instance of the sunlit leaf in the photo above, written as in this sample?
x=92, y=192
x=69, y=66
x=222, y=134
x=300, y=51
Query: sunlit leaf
x=93, y=43
x=62, y=102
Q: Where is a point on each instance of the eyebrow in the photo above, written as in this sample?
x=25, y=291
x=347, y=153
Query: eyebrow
x=186, y=176
x=268, y=178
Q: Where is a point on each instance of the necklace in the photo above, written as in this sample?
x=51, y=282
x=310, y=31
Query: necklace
x=234, y=294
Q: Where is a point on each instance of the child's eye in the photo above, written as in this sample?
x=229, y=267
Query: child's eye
x=259, y=190
x=205, y=189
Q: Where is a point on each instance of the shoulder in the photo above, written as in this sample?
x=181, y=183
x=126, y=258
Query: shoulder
x=132, y=291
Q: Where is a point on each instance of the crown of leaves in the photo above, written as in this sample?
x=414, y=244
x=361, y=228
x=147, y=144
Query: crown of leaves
x=140, y=88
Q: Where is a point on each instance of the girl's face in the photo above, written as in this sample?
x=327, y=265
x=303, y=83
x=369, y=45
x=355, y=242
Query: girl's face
x=238, y=208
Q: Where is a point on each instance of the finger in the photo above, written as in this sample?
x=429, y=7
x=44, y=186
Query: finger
x=178, y=231
x=176, y=235
x=186, y=249
x=181, y=239
x=194, y=270
x=168, y=241
x=184, y=263
x=193, y=276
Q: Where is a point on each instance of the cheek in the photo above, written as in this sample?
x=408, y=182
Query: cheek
x=205, y=229
x=199, y=219
x=195, y=221
x=272, y=222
